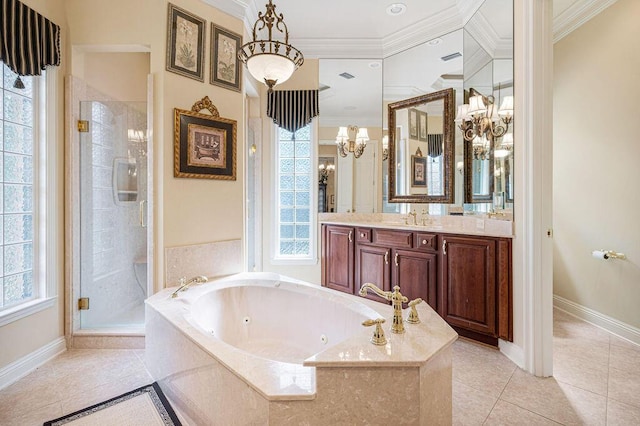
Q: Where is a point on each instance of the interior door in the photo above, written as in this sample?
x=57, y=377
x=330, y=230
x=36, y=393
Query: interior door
x=366, y=177
x=344, y=184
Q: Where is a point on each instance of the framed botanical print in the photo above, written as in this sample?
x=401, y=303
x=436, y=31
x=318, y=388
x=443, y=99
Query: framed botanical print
x=422, y=126
x=204, y=146
x=413, y=123
x=419, y=171
x=226, y=70
x=185, y=43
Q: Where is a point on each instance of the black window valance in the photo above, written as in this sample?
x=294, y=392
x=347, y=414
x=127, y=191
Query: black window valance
x=29, y=42
x=292, y=109
x=434, y=145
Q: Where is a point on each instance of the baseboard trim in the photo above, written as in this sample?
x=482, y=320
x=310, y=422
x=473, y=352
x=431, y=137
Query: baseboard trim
x=603, y=321
x=512, y=351
x=25, y=365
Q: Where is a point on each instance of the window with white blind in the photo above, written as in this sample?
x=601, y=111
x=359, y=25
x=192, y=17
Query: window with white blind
x=296, y=190
x=24, y=198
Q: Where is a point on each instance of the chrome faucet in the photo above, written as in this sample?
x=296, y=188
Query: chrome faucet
x=184, y=284
x=395, y=297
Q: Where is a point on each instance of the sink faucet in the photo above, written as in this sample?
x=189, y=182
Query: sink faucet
x=395, y=297
x=414, y=214
x=425, y=217
x=184, y=284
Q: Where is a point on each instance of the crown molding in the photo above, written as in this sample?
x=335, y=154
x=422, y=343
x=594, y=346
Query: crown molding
x=577, y=14
x=360, y=121
x=368, y=48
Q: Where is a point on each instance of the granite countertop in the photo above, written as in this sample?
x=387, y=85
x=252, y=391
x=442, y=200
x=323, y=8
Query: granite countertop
x=465, y=225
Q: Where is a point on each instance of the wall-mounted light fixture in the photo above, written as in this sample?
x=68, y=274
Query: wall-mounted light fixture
x=506, y=146
x=479, y=118
x=346, y=144
x=268, y=60
x=323, y=172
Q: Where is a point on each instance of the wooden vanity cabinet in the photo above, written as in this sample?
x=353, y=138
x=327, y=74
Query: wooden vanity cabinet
x=474, y=287
x=466, y=279
x=337, y=257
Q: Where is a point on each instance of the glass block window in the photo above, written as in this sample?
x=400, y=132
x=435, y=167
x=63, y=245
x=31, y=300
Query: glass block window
x=295, y=185
x=17, y=149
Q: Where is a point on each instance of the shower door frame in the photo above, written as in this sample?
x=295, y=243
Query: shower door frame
x=127, y=337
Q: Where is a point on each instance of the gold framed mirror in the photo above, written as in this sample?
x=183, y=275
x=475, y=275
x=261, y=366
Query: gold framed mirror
x=421, y=148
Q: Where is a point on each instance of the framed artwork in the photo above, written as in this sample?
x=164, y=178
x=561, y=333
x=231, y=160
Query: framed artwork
x=413, y=123
x=185, y=43
x=226, y=70
x=419, y=171
x=422, y=126
x=204, y=145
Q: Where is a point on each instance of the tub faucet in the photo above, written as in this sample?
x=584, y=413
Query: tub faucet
x=184, y=284
x=395, y=297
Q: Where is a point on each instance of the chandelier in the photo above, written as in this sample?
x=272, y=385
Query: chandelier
x=480, y=119
x=347, y=145
x=268, y=60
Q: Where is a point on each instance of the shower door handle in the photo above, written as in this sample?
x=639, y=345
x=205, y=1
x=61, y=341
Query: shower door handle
x=143, y=223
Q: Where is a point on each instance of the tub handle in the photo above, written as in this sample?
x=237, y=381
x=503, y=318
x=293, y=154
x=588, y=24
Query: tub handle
x=351, y=236
x=378, y=335
x=386, y=257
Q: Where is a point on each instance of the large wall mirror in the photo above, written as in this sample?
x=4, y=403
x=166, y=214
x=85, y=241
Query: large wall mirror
x=421, y=148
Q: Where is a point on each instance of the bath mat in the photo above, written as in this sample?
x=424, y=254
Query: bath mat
x=144, y=406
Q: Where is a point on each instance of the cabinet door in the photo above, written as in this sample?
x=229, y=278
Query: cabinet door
x=415, y=273
x=468, y=292
x=373, y=266
x=339, y=247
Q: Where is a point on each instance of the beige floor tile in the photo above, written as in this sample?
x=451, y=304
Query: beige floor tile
x=32, y=417
x=620, y=414
x=34, y=391
x=508, y=414
x=624, y=386
x=565, y=325
x=480, y=367
x=584, y=364
x=625, y=358
x=555, y=400
x=470, y=406
x=618, y=341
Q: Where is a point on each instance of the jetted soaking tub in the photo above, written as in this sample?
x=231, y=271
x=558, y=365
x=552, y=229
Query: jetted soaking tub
x=260, y=348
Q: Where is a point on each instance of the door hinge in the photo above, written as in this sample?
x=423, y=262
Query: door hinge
x=83, y=126
x=83, y=303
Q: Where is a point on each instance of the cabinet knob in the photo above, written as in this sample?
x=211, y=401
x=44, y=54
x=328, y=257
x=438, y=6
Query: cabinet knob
x=424, y=242
x=362, y=235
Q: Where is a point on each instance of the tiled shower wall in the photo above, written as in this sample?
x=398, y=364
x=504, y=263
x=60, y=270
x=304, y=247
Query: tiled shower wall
x=112, y=237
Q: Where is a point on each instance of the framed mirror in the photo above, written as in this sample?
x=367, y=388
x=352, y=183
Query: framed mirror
x=421, y=148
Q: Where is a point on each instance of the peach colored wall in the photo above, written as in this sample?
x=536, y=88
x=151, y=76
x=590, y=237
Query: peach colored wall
x=596, y=171
x=47, y=325
x=186, y=211
x=123, y=76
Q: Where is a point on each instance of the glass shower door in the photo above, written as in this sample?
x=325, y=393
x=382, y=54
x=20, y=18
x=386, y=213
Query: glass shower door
x=113, y=214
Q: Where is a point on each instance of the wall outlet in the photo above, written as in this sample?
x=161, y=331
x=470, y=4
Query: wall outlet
x=480, y=224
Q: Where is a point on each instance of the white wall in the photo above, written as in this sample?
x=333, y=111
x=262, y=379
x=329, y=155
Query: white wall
x=596, y=154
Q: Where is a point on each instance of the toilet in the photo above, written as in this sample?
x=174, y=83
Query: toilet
x=140, y=270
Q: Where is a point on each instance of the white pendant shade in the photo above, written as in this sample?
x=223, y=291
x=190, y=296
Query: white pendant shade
x=463, y=113
x=270, y=67
x=343, y=136
x=476, y=105
x=363, y=136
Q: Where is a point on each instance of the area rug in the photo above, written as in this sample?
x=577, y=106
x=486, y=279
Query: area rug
x=144, y=406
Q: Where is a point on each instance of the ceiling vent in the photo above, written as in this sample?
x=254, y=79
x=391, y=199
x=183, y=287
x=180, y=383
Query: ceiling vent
x=323, y=87
x=346, y=75
x=451, y=56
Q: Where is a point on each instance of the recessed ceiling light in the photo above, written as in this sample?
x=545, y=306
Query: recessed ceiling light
x=395, y=9
x=374, y=64
x=434, y=42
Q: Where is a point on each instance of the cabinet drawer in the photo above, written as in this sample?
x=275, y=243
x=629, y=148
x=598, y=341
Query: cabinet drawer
x=399, y=239
x=363, y=235
x=424, y=241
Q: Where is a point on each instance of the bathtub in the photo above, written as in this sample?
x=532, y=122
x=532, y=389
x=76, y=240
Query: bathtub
x=259, y=348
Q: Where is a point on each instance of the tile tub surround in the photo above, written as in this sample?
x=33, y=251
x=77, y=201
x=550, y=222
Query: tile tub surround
x=214, y=259
x=466, y=225
x=212, y=381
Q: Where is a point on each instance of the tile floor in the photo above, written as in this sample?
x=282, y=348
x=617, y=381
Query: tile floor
x=596, y=382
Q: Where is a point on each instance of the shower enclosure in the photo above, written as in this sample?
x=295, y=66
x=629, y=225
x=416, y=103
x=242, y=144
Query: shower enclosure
x=113, y=214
